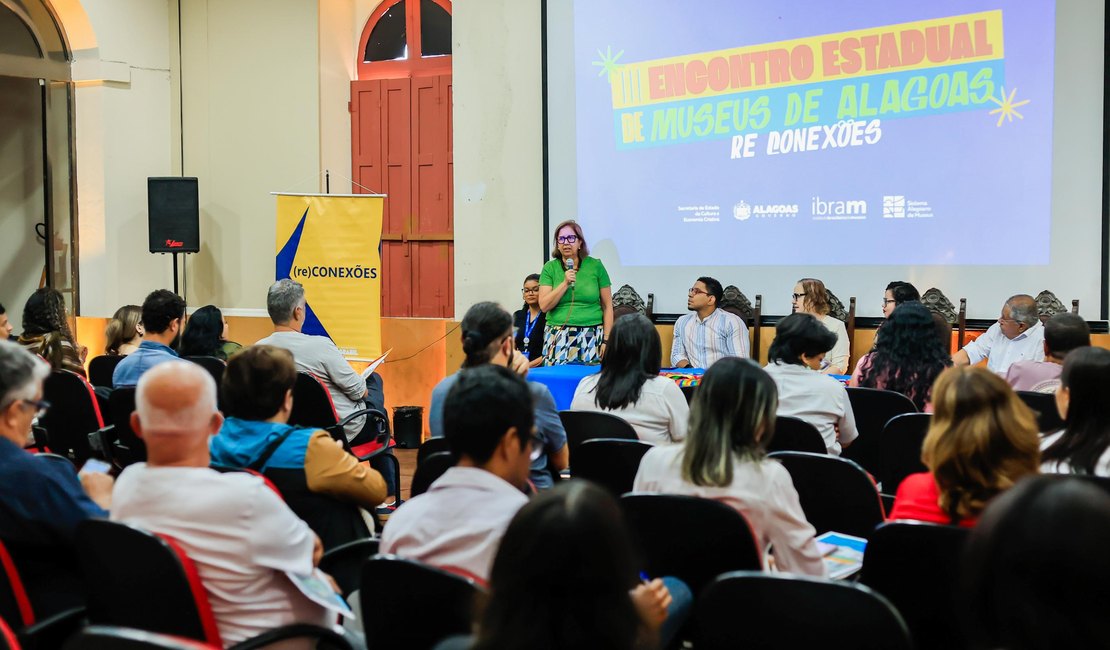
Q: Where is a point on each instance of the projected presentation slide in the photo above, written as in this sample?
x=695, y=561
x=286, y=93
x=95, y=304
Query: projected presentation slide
x=786, y=133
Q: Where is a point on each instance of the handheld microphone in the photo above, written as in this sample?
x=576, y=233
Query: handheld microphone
x=569, y=263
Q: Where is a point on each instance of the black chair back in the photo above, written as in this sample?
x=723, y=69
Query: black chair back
x=691, y=538
x=900, y=449
x=587, y=425
x=688, y=392
x=611, y=463
x=428, y=472
x=872, y=409
x=101, y=369
x=337, y=522
x=762, y=610
x=127, y=448
x=429, y=447
x=795, y=434
x=215, y=367
x=419, y=605
x=125, y=568
x=15, y=603
x=836, y=494
x=73, y=415
x=1043, y=406
x=312, y=404
x=344, y=563
x=107, y=637
x=41, y=591
x=917, y=567
x=8, y=640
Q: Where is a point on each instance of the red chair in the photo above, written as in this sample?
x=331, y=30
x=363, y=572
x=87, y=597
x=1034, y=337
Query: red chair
x=145, y=581
x=16, y=608
x=313, y=407
x=74, y=414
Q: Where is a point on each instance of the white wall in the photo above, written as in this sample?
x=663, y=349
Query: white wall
x=498, y=149
x=123, y=135
x=21, y=192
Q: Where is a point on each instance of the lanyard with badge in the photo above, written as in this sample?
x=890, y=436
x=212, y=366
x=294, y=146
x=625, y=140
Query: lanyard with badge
x=529, y=325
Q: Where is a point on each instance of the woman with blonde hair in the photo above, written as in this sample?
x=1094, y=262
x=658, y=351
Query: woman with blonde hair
x=811, y=297
x=982, y=441
x=732, y=418
x=124, y=332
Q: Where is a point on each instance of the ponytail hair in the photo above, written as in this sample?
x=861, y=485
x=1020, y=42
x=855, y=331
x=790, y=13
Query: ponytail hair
x=484, y=325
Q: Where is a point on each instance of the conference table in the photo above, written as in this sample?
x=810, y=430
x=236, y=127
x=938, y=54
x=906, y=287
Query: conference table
x=563, y=380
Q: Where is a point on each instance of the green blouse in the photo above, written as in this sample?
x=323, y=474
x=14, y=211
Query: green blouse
x=580, y=306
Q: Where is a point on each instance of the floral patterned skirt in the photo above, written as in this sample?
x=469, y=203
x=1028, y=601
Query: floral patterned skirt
x=572, y=345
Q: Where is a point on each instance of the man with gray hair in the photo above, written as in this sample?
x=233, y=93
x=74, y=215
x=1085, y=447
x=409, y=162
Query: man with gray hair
x=41, y=501
x=319, y=356
x=1017, y=336
x=239, y=533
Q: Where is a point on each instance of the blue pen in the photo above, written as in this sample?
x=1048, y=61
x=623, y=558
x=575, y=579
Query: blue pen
x=644, y=577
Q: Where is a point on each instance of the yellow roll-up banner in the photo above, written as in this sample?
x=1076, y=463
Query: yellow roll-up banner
x=329, y=243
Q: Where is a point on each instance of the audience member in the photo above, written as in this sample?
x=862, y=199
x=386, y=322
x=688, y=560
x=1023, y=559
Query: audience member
x=124, y=332
x=629, y=385
x=319, y=356
x=41, y=501
x=205, y=335
x=800, y=344
x=239, y=533
x=46, y=331
x=1062, y=334
x=732, y=420
x=564, y=577
x=529, y=322
x=811, y=297
x=907, y=356
x=258, y=398
x=1035, y=569
x=708, y=333
x=1017, y=336
x=982, y=440
x=163, y=316
x=898, y=293
x=1083, y=447
x=579, y=309
x=457, y=524
x=5, y=324
x=487, y=338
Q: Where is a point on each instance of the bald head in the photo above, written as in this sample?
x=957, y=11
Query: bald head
x=1023, y=309
x=175, y=413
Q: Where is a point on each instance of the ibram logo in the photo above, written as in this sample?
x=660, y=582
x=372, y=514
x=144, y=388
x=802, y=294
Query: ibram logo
x=741, y=211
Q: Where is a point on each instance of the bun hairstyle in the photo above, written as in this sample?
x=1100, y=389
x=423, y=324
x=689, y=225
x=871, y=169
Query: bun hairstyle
x=484, y=325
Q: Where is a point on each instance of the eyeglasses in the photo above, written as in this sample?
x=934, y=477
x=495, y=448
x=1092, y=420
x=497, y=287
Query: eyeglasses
x=567, y=239
x=887, y=301
x=532, y=290
x=695, y=291
x=41, y=405
x=798, y=296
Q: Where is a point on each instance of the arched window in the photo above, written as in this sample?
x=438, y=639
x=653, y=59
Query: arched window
x=406, y=38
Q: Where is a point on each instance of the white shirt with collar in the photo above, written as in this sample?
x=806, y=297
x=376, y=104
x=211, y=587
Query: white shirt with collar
x=816, y=398
x=703, y=342
x=457, y=524
x=1000, y=351
x=659, y=416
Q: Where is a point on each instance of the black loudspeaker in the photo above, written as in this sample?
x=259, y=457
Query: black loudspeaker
x=173, y=214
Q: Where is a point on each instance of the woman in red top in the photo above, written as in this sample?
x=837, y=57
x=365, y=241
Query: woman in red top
x=983, y=440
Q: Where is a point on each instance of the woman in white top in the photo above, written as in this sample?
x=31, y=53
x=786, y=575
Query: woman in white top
x=629, y=385
x=731, y=419
x=800, y=345
x=811, y=297
x=1083, y=447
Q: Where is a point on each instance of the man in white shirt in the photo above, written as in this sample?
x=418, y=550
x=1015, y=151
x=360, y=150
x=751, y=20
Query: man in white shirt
x=1017, y=336
x=239, y=533
x=458, y=523
x=708, y=333
x=319, y=356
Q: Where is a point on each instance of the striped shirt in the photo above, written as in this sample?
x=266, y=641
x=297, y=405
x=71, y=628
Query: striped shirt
x=703, y=342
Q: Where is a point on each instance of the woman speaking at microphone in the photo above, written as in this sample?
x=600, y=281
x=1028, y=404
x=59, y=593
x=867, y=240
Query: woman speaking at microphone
x=575, y=293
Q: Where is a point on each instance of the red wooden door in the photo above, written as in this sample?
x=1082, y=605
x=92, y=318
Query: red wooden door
x=401, y=146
